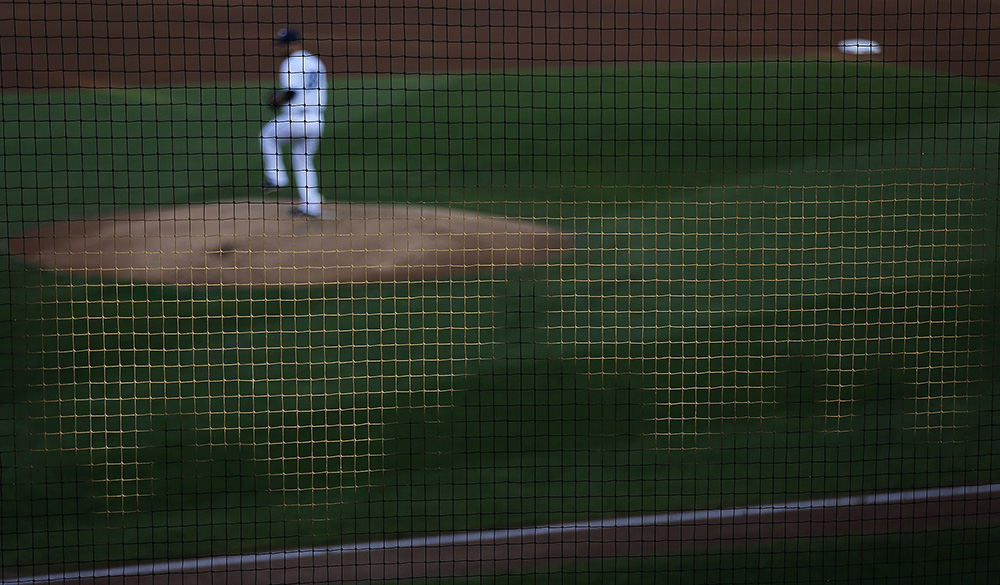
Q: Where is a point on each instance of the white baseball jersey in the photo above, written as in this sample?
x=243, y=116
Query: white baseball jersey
x=305, y=74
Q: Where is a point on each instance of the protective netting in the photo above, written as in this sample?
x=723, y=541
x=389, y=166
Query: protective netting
x=594, y=291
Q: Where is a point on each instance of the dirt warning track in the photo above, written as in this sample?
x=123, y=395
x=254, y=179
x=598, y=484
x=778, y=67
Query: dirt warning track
x=117, y=44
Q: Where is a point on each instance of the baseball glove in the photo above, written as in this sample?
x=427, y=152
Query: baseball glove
x=276, y=99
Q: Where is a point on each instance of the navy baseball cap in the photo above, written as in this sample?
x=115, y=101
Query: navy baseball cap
x=287, y=35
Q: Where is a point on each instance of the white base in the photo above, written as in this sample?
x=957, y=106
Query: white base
x=859, y=47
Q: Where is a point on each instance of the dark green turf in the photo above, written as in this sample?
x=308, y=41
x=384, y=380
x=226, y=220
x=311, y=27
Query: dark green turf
x=783, y=288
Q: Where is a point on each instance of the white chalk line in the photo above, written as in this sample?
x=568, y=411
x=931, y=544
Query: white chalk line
x=244, y=561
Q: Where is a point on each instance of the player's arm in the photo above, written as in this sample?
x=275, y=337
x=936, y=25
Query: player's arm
x=290, y=82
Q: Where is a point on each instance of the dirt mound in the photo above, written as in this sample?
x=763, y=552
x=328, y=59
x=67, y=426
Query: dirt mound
x=257, y=243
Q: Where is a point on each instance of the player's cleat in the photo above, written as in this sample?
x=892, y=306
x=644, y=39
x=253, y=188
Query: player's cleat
x=306, y=210
x=268, y=188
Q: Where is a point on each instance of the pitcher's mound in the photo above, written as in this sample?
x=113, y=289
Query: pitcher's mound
x=257, y=243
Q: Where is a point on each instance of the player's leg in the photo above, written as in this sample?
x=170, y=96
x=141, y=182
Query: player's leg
x=306, y=177
x=272, y=138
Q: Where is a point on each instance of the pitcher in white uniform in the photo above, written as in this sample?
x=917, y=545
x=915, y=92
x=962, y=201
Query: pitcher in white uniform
x=300, y=102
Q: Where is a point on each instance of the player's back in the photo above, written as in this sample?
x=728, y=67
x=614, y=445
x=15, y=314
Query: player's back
x=304, y=73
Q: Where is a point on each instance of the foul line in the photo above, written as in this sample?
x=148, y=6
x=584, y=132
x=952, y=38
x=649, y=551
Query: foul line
x=225, y=562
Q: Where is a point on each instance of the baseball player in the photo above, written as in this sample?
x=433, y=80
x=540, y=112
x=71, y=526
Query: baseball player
x=300, y=102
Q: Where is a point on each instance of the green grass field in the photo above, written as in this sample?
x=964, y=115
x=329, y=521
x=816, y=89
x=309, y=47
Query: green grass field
x=783, y=287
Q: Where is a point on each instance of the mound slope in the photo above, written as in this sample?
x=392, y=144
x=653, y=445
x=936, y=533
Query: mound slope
x=257, y=243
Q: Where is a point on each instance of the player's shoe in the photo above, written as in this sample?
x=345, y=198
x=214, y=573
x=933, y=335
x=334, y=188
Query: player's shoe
x=267, y=188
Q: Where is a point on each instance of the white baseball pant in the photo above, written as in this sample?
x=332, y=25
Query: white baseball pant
x=303, y=137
